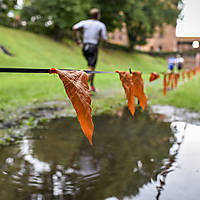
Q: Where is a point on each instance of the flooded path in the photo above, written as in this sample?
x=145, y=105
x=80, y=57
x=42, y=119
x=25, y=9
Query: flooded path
x=132, y=159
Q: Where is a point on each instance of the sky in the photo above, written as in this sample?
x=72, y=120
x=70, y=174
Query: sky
x=190, y=25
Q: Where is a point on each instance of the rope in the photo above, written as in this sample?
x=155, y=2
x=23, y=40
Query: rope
x=35, y=70
x=32, y=70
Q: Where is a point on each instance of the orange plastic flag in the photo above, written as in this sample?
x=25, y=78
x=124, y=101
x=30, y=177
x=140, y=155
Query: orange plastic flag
x=133, y=87
x=176, y=78
x=165, y=84
x=169, y=79
x=194, y=71
x=127, y=84
x=172, y=81
x=138, y=89
x=77, y=89
x=188, y=74
x=183, y=75
x=154, y=76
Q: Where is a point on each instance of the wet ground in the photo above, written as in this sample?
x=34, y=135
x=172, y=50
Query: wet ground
x=132, y=159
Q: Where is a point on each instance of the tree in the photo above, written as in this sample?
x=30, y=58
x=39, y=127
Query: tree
x=5, y=7
x=143, y=17
x=51, y=16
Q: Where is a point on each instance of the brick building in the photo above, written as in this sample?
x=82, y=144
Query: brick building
x=163, y=40
x=119, y=36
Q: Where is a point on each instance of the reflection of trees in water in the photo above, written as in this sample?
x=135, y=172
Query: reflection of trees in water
x=169, y=165
x=125, y=155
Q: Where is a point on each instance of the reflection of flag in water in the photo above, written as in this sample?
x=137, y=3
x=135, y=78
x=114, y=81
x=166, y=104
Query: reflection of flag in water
x=77, y=89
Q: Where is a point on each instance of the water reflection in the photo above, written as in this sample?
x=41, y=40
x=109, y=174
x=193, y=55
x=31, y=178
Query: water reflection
x=129, y=155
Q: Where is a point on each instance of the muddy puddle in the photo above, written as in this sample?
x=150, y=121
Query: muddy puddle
x=132, y=159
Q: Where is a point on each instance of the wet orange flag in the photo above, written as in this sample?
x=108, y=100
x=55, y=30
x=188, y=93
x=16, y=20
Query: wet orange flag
x=188, y=74
x=127, y=84
x=194, y=71
x=183, y=75
x=172, y=80
x=176, y=78
x=134, y=87
x=138, y=89
x=154, y=76
x=164, y=84
x=77, y=89
x=169, y=79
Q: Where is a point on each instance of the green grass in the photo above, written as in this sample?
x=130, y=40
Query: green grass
x=185, y=96
x=31, y=50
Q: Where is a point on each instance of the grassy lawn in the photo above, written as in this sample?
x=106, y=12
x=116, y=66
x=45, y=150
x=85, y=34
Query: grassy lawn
x=185, y=96
x=31, y=50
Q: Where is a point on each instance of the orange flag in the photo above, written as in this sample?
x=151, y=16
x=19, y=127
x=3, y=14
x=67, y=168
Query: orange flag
x=154, y=76
x=133, y=87
x=194, y=71
x=183, y=75
x=138, y=89
x=176, y=78
x=165, y=84
x=188, y=74
x=172, y=81
x=127, y=84
x=77, y=89
x=169, y=79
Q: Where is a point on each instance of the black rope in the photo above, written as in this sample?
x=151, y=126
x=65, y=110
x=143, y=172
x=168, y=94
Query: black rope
x=31, y=70
x=39, y=70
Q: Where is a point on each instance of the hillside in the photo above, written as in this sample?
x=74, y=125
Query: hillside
x=31, y=50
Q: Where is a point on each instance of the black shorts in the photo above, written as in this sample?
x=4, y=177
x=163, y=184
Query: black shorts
x=179, y=66
x=90, y=51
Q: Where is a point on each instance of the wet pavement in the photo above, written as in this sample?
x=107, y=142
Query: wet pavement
x=132, y=159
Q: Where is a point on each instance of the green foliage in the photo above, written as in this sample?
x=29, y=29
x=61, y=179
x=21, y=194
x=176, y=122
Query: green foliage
x=5, y=7
x=141, y=17
x=51, y=16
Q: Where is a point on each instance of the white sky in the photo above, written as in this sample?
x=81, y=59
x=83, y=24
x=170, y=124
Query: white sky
x=190, y=25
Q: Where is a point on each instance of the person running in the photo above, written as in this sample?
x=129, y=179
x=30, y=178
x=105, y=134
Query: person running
x=93, y=32
x=179, y=62
x=171, y=62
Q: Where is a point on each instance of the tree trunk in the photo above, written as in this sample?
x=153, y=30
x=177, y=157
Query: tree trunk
x=132, y=40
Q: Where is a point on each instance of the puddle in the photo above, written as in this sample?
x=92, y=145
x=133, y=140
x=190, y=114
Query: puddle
x=132, y=158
